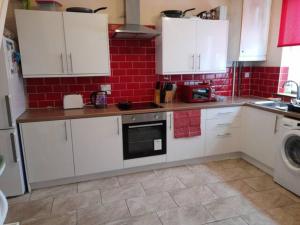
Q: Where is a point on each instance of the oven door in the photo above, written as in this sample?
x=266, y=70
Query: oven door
x=144, y=139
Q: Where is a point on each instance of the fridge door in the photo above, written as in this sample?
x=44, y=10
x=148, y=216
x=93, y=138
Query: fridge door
x=12, y=95
x=12, y=179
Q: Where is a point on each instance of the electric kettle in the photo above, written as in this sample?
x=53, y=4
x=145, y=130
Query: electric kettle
x=99, y=99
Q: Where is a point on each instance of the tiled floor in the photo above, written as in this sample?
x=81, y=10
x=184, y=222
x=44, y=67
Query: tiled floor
x=229, y=192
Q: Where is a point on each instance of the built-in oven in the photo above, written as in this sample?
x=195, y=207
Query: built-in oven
x=144, y=135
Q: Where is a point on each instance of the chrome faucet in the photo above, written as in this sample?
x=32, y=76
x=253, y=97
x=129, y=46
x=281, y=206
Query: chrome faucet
x=297, y=85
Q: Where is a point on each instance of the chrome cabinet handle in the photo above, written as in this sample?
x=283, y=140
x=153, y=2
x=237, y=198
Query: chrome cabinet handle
x=224, y=135
x=71, y=62
x=170, y=126
x=199, y=63
x=8, y=109
x=275, y=126
x=62, y=63
x=66, y=131
x=13, y=147
x=118, y=126
x=146, y=125
x=224, y=113
x=193, y=57
x=223, y=124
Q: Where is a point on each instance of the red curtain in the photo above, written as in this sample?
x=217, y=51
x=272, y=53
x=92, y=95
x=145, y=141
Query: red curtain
x=289, y=34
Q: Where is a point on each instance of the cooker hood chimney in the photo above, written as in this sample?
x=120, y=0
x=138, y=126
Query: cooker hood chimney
x=132, y=28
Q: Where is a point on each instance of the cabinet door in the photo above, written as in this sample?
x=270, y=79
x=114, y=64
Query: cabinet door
x=48, y=150
x=212, y=44
x=179, y=42
x=87, y=43
x=42, y=43
x=97, y=144
x=260, y=135
x=255, y=29
x=184, y=148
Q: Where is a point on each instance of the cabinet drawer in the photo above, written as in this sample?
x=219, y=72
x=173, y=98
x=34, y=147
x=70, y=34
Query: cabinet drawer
x=223, y=112
x=222, y=141
x=226, y=122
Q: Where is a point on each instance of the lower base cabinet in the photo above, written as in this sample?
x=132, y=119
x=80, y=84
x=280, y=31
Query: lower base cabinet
x=260, y=135
x=48, y=150
x=97, y=144
x=184, y=148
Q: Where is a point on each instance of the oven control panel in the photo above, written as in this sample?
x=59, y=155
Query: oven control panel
x=140, y=118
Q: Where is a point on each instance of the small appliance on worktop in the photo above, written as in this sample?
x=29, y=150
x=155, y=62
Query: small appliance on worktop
x=197, y=92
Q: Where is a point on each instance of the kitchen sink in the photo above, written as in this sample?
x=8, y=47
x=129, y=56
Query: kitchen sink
x=273, y=105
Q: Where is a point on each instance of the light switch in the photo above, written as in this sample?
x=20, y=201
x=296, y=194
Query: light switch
x=107, y=88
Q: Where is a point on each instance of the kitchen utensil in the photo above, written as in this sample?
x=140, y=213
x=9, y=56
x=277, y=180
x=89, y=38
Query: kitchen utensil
x=169, y=94
x=99, y=99
x=73, y=102
x=84, y=10
x=157, y=93
x=125, y=105
x=176, y=13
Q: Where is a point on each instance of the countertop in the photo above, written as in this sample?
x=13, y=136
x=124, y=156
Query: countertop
x=38, y=115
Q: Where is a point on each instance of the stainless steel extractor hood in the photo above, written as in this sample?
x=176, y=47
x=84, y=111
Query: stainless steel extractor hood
x=132, y=29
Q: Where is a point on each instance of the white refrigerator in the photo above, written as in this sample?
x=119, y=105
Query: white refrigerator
x=12, y=105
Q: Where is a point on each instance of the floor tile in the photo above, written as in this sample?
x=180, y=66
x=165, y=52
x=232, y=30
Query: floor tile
x=185, y=216
x=151, y=203
x=173, y=171
x=197, y=179
x=261, y=183
x=231, y=221
x=105, y=183
x=56, y=220
x=287, y=215
x=230, y=207
x=150, y=219
x=230, y=188
x=102, y=214
x=162, y=185
x=228, y=163
x=259, y=218
x=198, y=168
x=122, y=193
x=136, y=177
x=19, y=199
x=193, y=196
x=255, y=172
x=232, y=174
x=66, y=204
x=289, y=194
x=57, y=191
x=269, y=199
x=28, y=210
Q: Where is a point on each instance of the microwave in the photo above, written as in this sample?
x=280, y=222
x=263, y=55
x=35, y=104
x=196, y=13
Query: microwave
x=198, y=93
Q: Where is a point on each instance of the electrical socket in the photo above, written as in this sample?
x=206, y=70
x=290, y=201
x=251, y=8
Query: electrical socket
x=247, y=74
x=107, y=88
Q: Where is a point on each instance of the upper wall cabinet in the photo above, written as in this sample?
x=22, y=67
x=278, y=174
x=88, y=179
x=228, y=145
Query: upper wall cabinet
x=192, y=45
x=58, y=44
x=249, y=29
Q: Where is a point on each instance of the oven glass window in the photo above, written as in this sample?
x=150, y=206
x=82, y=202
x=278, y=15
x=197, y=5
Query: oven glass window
x=292, y=150
x=145, y=140
x=201, y=93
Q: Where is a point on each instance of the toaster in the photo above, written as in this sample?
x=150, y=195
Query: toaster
x=73, y=102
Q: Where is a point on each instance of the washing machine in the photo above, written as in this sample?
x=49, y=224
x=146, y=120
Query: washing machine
x=287, y=166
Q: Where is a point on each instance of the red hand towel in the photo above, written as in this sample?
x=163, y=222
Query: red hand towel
x=187, y=123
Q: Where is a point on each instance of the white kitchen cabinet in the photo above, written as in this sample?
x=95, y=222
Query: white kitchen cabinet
x=191, y=45
x=42, y=44
x=223, y=131
x=60, y=44
x=249, y=29
x=184, y=148
x=97, y=144
x=48, y=150
x=87, y=43
x=260, y=134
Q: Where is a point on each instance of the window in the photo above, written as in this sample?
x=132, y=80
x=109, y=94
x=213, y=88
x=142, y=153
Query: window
x=290, y=60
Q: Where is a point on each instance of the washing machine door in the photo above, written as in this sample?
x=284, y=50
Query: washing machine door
x=290, y=150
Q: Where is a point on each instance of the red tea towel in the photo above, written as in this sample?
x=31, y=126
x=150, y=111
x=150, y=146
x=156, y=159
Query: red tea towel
x=187, y=123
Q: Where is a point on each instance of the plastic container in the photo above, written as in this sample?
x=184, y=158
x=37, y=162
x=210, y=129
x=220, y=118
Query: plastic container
x=49, y=5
